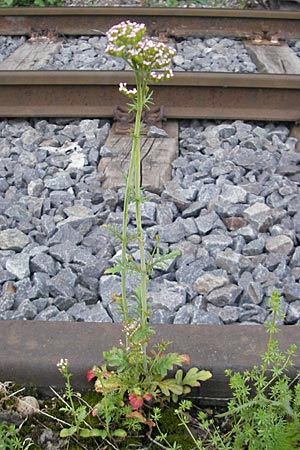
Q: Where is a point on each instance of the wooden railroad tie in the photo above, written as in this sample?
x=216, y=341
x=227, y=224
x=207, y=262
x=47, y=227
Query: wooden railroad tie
x=157, y=155
x=32, y=55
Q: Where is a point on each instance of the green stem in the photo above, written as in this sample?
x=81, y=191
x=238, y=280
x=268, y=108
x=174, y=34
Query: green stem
x=141, y=87
x=261, y=386
x=124, y=238
x=69, y=395
x=183, y=421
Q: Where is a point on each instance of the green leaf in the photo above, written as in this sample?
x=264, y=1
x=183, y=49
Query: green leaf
x=95, y=432
x=167, y=362
x=116, y=357
x=81, y=413
x=142, y=335
x=186, y=389
x=178, y=376
x=193, y=376
x=114, y=231
x=120, y=433
x=113, y=270
x=164, y=260
x=65, y=432
x=170, y=385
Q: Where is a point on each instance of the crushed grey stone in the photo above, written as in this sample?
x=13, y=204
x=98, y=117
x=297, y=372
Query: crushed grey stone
x=18, y=265
x=210, y=281
x=231, y=209
x=13, y=239
x=224, y=296
x=202, y=317
x=280, y=244
x=213, y=55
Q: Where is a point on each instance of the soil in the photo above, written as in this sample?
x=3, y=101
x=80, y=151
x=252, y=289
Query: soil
x=44, y=431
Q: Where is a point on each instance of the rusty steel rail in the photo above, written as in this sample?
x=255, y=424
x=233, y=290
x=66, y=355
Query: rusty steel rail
x=30, y=350
x=186, y=96
x=178, y=22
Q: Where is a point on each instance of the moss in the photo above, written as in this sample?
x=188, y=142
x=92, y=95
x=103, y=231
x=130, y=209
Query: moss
x=171, y=425
x=32, y=427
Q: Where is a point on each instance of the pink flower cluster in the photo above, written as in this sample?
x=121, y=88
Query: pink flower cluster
x=150, y=58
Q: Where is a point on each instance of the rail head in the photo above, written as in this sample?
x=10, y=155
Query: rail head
x=141, y=11
x=175, y=22
x=113, y=78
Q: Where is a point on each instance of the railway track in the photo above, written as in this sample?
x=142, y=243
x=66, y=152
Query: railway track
x=31, y=349
x=207, y=95
x=176, y=22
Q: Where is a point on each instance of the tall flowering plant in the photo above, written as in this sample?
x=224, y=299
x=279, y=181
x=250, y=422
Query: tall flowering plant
x=134, y=377
x=150, y=62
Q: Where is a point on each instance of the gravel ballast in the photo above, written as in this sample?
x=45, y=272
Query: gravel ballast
x=214, y=54
x=8, y=44
x=193, y=54
x=231, y=208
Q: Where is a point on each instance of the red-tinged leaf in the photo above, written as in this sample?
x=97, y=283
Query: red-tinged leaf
x=136, y=415
x=185, y=359
x=148, y=397
x=136, y=401
x=150, y=423
x=90, y=375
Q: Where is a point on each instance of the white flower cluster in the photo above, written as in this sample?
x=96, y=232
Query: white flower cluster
x=124, y=35
x=160, y=76
x=128, y=92
x=62, y=365
x=130, y=328
x=150, y=58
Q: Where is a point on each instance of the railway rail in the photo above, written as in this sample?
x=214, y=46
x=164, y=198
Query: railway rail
x=214, y=96
x=177, y=22
x=206, y=95
x=29, y=349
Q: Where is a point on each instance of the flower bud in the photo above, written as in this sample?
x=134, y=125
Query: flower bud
x=148, y=397
x=185, y=359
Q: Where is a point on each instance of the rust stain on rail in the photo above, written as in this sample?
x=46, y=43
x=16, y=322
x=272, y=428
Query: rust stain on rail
x=174, y=22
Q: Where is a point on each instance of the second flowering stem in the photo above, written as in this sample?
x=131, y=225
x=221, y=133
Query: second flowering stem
x=141, y=100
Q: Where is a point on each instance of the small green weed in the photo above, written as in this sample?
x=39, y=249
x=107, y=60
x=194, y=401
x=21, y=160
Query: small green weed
x=10, y=439
x=264, y=413
x=32, y=3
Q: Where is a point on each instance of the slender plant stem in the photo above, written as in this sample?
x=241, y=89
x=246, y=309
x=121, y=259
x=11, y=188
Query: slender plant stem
x=142, y=86
x=124, y=237
x=261, y=387
x=69, y=395
x=55, y=418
